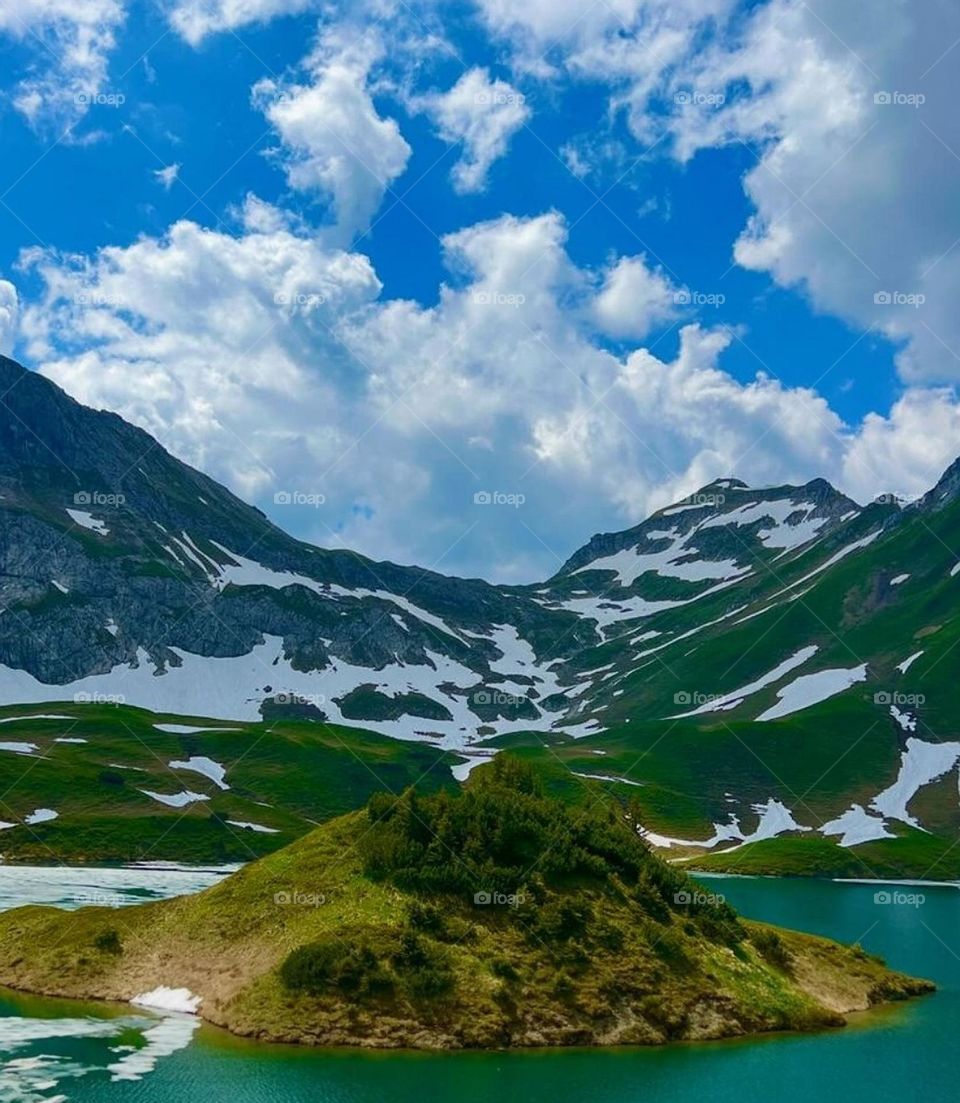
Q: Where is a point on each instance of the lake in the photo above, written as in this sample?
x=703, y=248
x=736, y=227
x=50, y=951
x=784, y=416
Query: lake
x=54, y=1051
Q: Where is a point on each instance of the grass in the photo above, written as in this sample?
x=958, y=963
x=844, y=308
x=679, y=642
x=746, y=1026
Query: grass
x=286, y=775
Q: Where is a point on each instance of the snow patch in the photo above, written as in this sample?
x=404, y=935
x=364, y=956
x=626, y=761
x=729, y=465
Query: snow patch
x=920, y=764
x=907, y=663
x=88, y=521
x=180, y=1000
x=857, y=826
x=811, y=689
x=199, y=764
x=175, y=800
x=907, y=722
x=736, y=697
x=189, y=729
x=41, y=815
x=258, y=827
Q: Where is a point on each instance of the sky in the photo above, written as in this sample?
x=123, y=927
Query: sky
x=462, y=283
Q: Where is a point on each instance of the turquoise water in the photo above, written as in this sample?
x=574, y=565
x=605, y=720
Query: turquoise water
x=903, y=1054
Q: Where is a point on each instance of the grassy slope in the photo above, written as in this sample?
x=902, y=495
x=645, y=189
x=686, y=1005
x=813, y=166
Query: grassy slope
x=592, y=955
x=286, y=775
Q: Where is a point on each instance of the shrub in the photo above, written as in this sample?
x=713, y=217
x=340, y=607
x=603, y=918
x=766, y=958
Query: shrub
x=335, y=965
x=502, y=968
x=108, y=942
x=769, y=945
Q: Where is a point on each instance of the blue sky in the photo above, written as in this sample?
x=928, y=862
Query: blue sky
x=405, y=253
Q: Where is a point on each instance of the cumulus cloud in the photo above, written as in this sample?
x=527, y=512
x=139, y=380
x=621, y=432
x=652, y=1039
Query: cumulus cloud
x=634, y=298
x=194, y=20
x=483, y=114
x=72, y=41
x=272, y=361
x=9, y=312
x=207, y=341
x=334, y=141
x=854, y=189
x=849, y=112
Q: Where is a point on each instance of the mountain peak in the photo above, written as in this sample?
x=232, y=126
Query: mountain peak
x=946, y=490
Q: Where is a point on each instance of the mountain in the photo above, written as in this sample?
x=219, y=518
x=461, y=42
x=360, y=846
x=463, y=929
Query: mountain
x=417, y=923
x=766, y=672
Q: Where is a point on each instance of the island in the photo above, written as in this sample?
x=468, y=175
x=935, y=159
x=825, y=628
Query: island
x=496, y=917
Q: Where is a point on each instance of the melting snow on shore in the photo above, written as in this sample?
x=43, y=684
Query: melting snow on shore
x=162, y=998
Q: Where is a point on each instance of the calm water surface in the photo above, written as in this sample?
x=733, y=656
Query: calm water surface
x=52, y=1050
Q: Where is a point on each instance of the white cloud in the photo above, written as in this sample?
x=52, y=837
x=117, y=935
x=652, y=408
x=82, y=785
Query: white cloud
x=207, y=341
x=71, y=41
x=633, y=299
x=168, y=176
x=9, y=312
x=854, y=199
x=481, y=113
x=194, y=20
x=334, y=140
x=270, y=361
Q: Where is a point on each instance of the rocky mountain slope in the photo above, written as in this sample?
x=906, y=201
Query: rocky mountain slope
x=754, y=667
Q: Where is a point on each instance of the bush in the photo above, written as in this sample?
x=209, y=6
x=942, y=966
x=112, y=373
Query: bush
x=502, y=968
x=427, y=918
x=108, y=942
x=335, y=965
x=769, y=945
